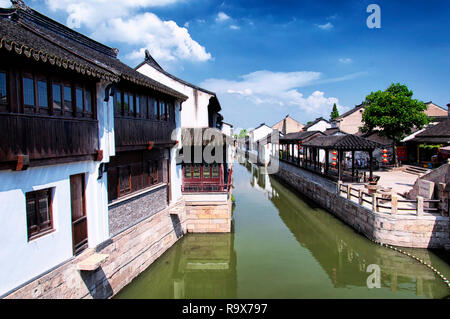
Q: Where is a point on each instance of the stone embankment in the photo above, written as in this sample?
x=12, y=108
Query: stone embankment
x=405, y=230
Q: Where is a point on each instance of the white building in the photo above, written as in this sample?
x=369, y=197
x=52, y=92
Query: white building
x=319, y=124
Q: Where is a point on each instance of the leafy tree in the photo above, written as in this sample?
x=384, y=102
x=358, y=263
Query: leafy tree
x=335, y=113
x=394, y=113
x=243, y=133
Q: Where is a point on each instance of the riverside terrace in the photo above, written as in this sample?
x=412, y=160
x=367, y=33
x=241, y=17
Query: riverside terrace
x=314, y=154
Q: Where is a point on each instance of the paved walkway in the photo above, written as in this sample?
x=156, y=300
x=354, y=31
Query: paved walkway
x=400, y=182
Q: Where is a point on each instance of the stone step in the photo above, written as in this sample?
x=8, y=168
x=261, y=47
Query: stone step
x=416, y=170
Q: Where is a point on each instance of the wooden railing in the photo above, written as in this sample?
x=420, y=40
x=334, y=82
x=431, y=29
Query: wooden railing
x=131, y=132
x=46, y=138
x=208, y=187
x=388, y=204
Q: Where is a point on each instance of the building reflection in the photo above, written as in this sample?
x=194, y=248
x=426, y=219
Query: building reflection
x=205, y=267
x=342, y=255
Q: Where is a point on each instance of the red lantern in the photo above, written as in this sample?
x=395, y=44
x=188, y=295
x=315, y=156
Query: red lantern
x=334, y=159
x=385, y=160
x=385, y=151
x=334, y=153
x=334, y=164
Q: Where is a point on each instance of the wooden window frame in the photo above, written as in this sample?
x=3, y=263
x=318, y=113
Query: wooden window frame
x=7, y=106
x=48, y=193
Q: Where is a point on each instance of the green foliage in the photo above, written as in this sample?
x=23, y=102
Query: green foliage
x=233, y=199
x=335, y=113
x=309, y=122
x=243, y=133
x=430, y=146
x=393, y=112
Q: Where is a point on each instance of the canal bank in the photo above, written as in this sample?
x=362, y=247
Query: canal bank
x=425, y=231
x=284, y=246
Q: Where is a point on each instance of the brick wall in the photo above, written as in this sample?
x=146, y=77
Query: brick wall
x=127, y=213
x=398, y=230
x=208, y=217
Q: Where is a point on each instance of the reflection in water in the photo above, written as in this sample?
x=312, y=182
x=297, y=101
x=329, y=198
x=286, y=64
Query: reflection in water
x=283, y=246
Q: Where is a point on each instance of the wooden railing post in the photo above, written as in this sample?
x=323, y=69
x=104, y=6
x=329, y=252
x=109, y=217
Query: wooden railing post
x=394, y=203
x=360, y=196
x=339, y=188
x=375, y=202
x=349, y=189
x=419, y=205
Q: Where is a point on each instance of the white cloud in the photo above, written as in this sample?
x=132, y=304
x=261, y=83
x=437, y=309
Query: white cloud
x=222, y=16
x=118, y=21
x=345, y=60
x=326, y=26
x=276, y=88
x=5, y=3
x=234, y=27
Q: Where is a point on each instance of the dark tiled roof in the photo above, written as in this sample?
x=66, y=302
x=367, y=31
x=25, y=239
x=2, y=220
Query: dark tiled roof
x=353, y=110
x=342, y=142
x=439, y=130
x=152, y=62
x=26, y=32
x=299, y=135
x=317, y=120
x=333, y=130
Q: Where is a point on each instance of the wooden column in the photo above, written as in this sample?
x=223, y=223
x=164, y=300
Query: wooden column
x=371, y=164
x=353, y=165
x=340, y=165
x=326, y=161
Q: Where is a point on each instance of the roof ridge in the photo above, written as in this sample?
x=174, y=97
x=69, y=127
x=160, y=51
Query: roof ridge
x=27, y=14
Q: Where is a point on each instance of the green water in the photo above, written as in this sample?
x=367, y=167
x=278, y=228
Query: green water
x=284, y=246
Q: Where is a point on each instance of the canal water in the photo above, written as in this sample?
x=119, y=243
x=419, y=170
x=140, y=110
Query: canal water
x=284, y=246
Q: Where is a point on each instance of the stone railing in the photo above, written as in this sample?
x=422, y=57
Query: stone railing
x=392, y=204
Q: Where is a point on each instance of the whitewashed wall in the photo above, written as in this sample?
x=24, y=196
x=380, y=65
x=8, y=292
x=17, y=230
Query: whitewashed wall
x=22, y=260
x=194, y=112
x=320, y=126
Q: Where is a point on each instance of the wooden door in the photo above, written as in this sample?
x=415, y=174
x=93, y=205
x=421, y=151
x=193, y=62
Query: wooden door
x=79, y=219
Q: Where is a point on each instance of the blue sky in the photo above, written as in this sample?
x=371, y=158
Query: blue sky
x=266, y=59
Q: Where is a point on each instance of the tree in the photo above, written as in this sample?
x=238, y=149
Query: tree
x=243, y=133
x=335, y=113
x=394, y=113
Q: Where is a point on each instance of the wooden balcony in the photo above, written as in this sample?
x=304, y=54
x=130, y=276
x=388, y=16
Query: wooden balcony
x=134, y=133
x=205, y=183
x=46, y=140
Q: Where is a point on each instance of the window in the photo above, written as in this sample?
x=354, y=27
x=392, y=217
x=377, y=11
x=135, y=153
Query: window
x=57, y=102
x=28, y=91
x=153, y=172
x=188, y=171
x=79, y=99
x=118, y=102
x=155, y=110
x=196, y=171
x=206, y=171
x=131, y=102
x=88, y=101
x=39, y=212
x=126, y=104
x=124, y=186
x=215, y=171
x=162, y=114
x=3, y=88
x=42, y=94
x=68, y=98
x=138, y=105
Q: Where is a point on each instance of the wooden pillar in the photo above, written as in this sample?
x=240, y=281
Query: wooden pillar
x=314, y=158
x=340, y=165
x=371, y=164
x=353, y=165
x=326, y=161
